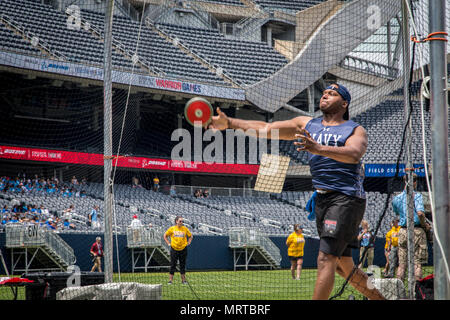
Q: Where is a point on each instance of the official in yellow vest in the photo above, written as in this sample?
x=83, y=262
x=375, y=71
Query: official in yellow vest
x=296, y=243
x=180, y=238
x=387, y=249
x=393, y=248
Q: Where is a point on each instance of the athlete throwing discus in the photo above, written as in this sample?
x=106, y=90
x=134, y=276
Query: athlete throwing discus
x=335, y=145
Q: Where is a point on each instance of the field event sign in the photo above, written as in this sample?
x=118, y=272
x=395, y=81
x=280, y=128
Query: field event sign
x=389, y=170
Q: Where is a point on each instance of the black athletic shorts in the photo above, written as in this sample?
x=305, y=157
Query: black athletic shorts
x=338, y=217
x=295, y=258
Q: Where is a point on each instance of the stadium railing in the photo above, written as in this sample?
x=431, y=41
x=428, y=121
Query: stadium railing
x=23, y=236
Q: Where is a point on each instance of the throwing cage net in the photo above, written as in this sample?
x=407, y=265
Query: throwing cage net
x=99, y=155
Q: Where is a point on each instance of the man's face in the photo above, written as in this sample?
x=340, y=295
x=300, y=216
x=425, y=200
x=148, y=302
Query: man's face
x=180, y=222
x=331, y=101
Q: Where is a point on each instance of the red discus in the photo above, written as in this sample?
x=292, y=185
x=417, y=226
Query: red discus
x=198, y=111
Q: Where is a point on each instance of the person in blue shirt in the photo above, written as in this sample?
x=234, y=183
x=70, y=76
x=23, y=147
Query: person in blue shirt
x=335, y=145
x=400, y=208
x=14, y=219
x=51, y=190
x=366, y=243
x=93, y=218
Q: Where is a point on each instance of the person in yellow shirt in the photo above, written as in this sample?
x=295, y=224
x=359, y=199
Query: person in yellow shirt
x=296, y=243
x=180, y=238
x=393, y=248
x=387, y=250
x=156, y=184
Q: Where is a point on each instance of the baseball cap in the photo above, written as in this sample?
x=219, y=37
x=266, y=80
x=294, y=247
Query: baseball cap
x=345, y=94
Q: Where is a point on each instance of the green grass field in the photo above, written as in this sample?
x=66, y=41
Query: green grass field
x=229, y=285
x=223, y=285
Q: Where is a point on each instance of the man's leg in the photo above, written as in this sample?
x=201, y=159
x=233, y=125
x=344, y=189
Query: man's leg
x=402, y=253
x=393, y=262
x=326, y=268
x=293, y=266
x=361, y=252
x=299, y=267
x=173, y=264
x=370, y=254
x=420, y=251
x=182, y=256
x=386, y=266
x=359, y=278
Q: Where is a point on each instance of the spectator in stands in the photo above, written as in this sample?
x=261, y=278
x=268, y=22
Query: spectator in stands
x=35, y=220
x=366, y=240
x=180, y=239
x=336, y=146
x=67, y=192
x=50, y=224
x=43, y=211
x=136, y=228
x=5, y=219
x=94, y=218
x=420, y=239
x=156, y=184
x=74, y=181
x=198, y=193
x=206, y=193
x=393, y=248
x=51, y=189
x=14, y=219
x=67, y=213
x=296, y=243
x=68, y=225
x=97, y=254
x=135, y=183
x=173, y=191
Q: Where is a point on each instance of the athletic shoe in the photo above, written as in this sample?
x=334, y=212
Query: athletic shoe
x=170, y=282
x=184, y=282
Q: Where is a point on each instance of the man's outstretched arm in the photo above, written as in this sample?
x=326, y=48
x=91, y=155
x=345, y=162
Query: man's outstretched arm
x=283, y=130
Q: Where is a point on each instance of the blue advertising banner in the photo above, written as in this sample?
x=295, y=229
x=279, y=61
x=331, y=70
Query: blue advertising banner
x=383, y=170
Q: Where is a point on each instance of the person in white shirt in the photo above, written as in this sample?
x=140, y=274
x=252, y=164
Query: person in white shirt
x=136, y=227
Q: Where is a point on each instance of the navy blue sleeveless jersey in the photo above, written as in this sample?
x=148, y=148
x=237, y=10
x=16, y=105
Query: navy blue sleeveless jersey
x=330, y=174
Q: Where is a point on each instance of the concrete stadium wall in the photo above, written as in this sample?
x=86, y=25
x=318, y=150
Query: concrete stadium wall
x=205, y=252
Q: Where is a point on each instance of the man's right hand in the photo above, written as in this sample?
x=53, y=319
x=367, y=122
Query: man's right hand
x=219, y=122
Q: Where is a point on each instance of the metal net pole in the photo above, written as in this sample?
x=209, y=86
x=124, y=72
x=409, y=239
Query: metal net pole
x=108, y=196
x=409, y=190
x=439, y=118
